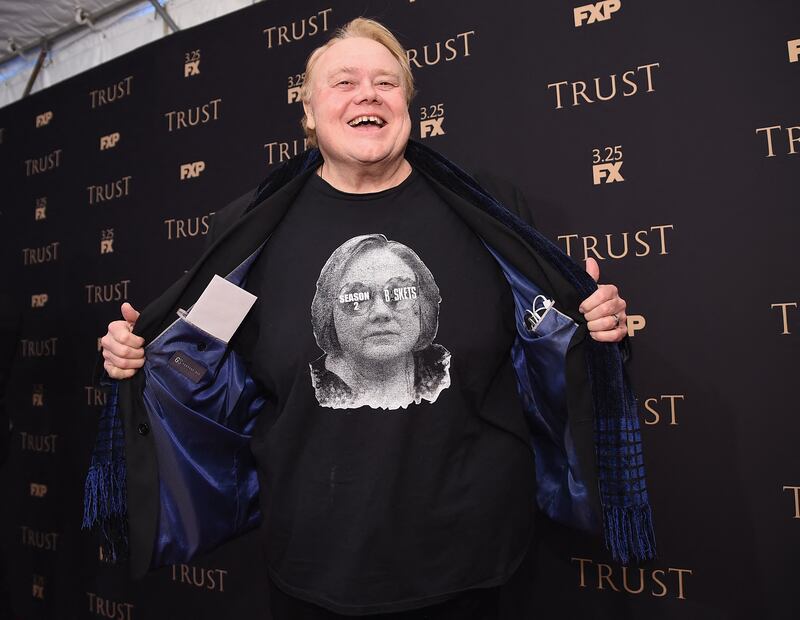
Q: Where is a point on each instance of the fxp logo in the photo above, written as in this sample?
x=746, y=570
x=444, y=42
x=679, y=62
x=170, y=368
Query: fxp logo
x=598, y=12
x=43, y=119
x=109, y=141
x=192, y=170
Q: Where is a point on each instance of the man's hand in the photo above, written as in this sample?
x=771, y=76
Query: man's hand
x=122, y=350
x=604, y=310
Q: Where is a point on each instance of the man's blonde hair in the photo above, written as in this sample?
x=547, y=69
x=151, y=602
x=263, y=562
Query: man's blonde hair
x=365, y=29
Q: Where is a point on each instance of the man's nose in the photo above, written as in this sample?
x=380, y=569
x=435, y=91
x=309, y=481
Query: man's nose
x=367, y=93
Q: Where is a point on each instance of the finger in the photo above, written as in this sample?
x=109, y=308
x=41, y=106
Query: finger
x=607, y=308
x=117, y=373
x=592, y=268
x=603, y=293
x=121, y=350
x=129, y=314
x=613, y=335
x=607, y=323
x=122, y=362
x=121, y=332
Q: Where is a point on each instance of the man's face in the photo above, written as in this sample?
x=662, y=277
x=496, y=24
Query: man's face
x=376, y=313
x=353, y=79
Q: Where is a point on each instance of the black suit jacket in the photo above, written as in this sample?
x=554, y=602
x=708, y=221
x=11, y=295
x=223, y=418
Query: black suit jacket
x=238, y=230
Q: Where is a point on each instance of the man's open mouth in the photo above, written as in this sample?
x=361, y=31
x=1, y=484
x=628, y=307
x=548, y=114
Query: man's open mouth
x=367, y=121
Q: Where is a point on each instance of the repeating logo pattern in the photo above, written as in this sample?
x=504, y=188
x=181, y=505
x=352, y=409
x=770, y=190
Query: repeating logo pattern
x=97, y=199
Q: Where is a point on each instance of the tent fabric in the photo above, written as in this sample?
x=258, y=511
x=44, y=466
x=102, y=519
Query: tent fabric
x=121, y=32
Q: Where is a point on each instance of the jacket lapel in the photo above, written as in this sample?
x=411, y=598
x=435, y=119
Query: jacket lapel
x=528, y=251
x=226, y=253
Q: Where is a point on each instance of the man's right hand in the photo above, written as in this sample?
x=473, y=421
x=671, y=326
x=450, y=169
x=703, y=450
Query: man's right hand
x=123, y=351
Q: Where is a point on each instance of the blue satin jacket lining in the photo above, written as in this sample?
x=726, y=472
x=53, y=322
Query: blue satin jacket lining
x=202, y=428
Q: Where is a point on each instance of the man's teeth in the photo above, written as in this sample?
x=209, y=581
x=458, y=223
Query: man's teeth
x=362, y=120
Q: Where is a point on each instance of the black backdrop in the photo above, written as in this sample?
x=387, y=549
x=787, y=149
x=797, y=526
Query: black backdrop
x=687, y=175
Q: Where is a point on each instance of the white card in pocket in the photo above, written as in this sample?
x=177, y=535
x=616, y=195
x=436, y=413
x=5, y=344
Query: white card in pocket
x=221, y=308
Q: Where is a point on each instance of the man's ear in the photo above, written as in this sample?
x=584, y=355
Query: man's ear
x=310, y=122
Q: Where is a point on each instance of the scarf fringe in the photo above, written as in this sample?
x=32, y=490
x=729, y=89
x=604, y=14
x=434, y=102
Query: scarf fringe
x=629, y=533
x=105, y=504
x=104, y=494
x=627, y=518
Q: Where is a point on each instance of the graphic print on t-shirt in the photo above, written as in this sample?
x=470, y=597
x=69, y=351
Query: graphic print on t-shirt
x=375, y=315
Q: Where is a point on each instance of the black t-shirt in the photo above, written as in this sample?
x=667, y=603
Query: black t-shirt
x=393, y=456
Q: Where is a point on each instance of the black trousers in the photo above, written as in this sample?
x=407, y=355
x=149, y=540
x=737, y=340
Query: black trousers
x=480, y=604
x=513, y=600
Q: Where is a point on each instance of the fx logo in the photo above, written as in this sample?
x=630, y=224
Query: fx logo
x=43, y=119
x=109, y=141
x=107, y=241
x=636, y=322
x=293, y=94
x=599, y=12
x=192, y=170
x=191, y=68
x=607, y=172
x=296, y=82
x=38, y=587
x=191, y=63
x=38, y=490
x=431, y=127
x=794, y=50
x=38, y=301
x=40, y=212
x=431, y=118
x=37, y=398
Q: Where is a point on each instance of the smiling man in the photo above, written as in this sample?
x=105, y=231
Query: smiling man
x=355, y=98
x=400, y=479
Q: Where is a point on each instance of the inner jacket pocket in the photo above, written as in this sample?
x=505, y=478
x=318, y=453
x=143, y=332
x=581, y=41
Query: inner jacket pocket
x=539, y=355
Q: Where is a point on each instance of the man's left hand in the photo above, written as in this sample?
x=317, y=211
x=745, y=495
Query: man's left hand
x=604, y=310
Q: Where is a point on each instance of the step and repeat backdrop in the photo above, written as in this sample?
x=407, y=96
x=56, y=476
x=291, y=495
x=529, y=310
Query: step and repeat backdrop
x=661, y=139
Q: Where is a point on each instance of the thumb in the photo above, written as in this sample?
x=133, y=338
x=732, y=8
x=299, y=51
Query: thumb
x=592, y=268
x=128, y=313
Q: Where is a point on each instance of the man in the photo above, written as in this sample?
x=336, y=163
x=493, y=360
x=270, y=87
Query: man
x=426, y=509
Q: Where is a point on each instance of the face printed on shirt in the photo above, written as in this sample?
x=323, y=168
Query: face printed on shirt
x=375, y=315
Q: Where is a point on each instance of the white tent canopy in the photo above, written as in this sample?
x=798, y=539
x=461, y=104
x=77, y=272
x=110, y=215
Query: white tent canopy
x=82, y=34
